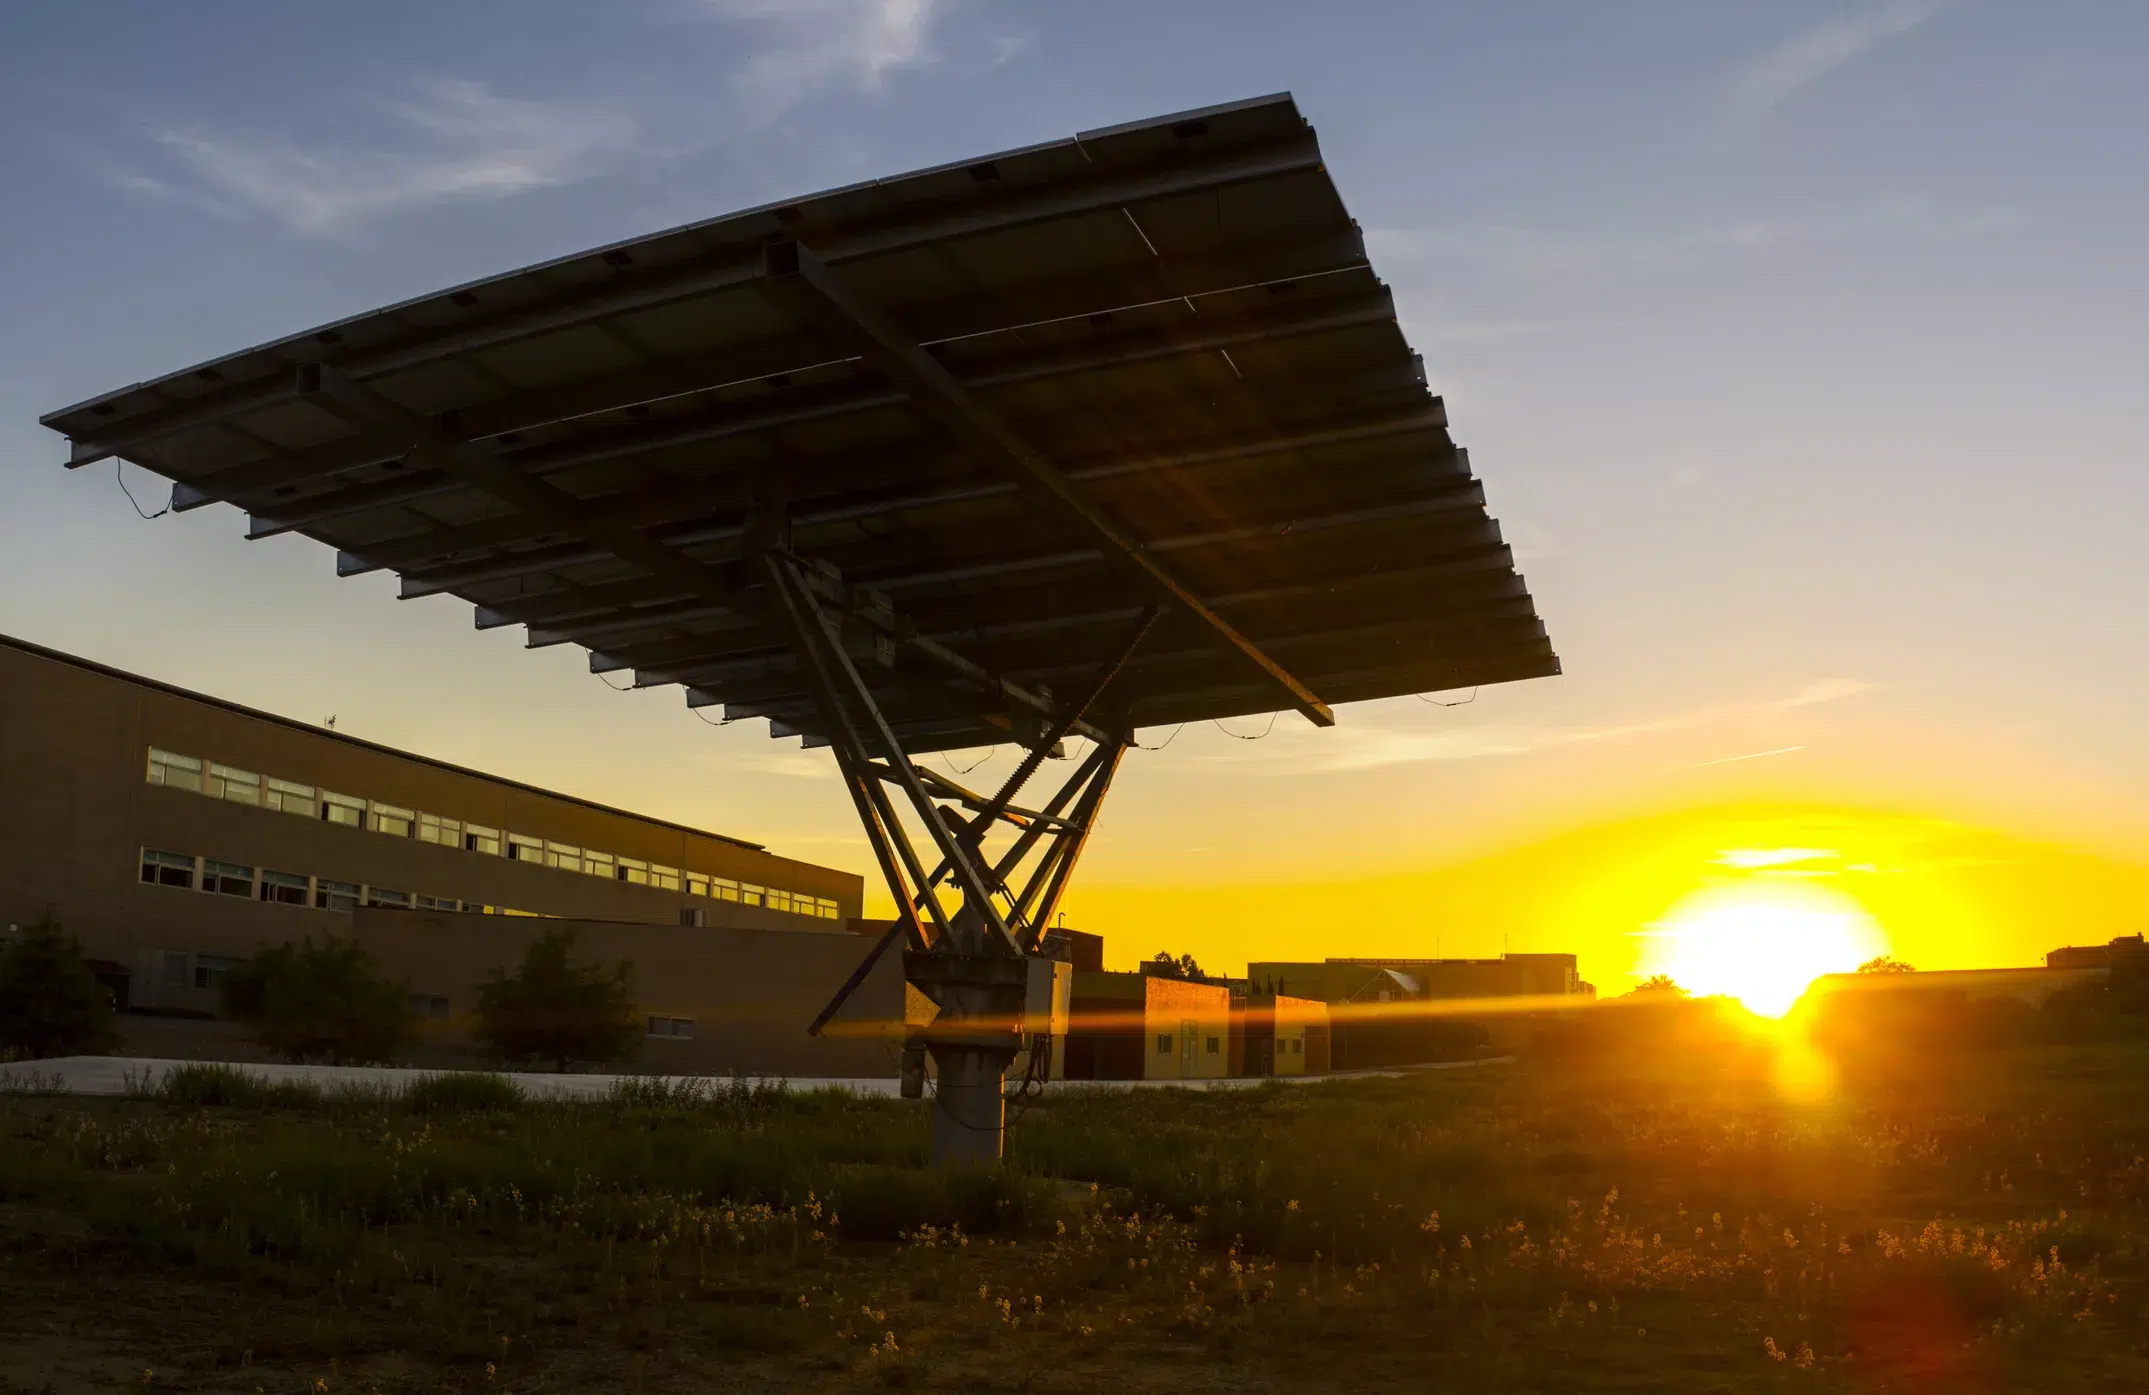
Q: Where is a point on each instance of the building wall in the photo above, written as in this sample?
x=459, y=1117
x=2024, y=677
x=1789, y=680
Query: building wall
x=1136, y=1027
x=746, y=995
x=1278, y=1034
x=77, y=812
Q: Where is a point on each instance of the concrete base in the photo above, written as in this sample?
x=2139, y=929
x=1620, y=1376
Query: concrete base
x=969, y=1111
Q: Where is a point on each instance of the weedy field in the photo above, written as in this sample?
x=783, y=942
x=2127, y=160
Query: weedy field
x=1666, y=1220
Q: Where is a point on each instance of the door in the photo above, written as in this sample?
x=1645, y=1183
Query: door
x=1189, y=1051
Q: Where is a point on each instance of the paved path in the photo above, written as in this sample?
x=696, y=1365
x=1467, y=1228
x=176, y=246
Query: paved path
x=123, y=1075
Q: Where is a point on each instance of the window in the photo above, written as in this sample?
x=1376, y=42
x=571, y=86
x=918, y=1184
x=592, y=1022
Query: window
x=634, y=870
x=209, y=969
x=694, y=916
x=167, y=869
x=598, y=864
x=681, y=1028
x=335, y=896
x=1164, y=1044
x=696, y=884
x=287, y=798
x=560, y=855
x=285, y=888
x=432, y=828
x=723, y=889
x=396, y=823
x=830, y=910
x=226, y=878
x=749, y=894
x=480, y=839
x=479, y=908
x=666, y=878
x=180, y=772
x=381, y=896
x=428, y=1005
x=777, y=899
x=521, y=849
x=238, y=786
x=1298, y=1046
x=439, y=903
x=341, y=808
x=1212, y=1046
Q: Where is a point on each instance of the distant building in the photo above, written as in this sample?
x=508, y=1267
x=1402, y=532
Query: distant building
x=1283, y=1036
x=2124, y=951
x=1372, y=1024
x=1131, y=1026
x=2031, y=987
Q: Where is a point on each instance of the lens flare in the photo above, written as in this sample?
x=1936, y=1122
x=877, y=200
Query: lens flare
x=1761, y=943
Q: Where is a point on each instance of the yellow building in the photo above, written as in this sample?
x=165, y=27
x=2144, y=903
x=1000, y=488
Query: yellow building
x=1141, y=1027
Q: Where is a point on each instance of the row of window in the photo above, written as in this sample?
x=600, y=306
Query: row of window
x=189, y=873
x=246, y=787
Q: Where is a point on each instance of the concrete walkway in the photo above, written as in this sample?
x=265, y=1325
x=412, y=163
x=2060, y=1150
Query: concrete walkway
x=126, y=1075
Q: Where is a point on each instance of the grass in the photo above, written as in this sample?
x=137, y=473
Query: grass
x=1601, y=1224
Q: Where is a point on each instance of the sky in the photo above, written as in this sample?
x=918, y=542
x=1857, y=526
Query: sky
x=1801, y=347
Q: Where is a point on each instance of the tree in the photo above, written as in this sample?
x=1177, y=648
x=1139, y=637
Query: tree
x=1658, y=986
x=556, y=1010
x=1165, y=966
x=1884, y=965
x=50, y=1002
x=319, y=1002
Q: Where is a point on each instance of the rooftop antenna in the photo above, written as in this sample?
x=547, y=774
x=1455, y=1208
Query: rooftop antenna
x=329, y=721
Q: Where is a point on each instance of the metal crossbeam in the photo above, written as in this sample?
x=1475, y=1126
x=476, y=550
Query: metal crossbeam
x=796, y=272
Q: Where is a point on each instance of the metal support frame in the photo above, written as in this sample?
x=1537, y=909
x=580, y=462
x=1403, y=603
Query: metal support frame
x=970, y=959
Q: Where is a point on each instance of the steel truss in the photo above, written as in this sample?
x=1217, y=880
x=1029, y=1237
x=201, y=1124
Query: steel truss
x=970, y=920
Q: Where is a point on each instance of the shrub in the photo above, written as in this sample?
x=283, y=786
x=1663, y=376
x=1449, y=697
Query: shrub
x=319, y=1002
x=553, y=1009
x=463, y=1092
x=50, y=1002
x=204, y=1085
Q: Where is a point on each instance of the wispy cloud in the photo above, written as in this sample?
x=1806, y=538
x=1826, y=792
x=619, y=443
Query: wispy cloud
x=443, y=140
x=801, y=47
x=1812, y=54
x=1826, y=690
x=1750, y=755
x=1371, y=745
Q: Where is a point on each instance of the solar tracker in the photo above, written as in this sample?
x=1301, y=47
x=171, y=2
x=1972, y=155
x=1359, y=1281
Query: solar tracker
x=1072, y=440
x=1176, y=318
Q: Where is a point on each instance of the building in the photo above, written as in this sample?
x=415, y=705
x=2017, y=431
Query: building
x=1375, y=1017
x=174, y=833
x=2124, y=952
x=1130, y=1026
x=1958, y=987
x=1283, y=1036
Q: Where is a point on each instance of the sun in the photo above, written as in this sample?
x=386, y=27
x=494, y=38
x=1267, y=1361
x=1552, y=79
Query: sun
x=1761, y=942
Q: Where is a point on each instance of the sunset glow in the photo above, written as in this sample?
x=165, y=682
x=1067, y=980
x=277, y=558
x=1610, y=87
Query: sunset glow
x=1762, y=942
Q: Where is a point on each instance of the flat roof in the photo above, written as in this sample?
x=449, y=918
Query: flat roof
x=107, y=671
x=1174, y=320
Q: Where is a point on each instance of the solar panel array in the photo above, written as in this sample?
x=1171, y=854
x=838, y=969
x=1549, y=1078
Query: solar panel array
x=1178, y=315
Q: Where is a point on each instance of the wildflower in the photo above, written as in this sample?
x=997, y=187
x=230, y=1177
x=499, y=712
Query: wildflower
x=1775, y=1353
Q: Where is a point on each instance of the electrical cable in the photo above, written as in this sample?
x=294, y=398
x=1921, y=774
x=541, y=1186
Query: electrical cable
x=122, y=481
x=1435, y=702
x=613, y=686
x=954, y=770
x=1166, y=742
x=1229, y=732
